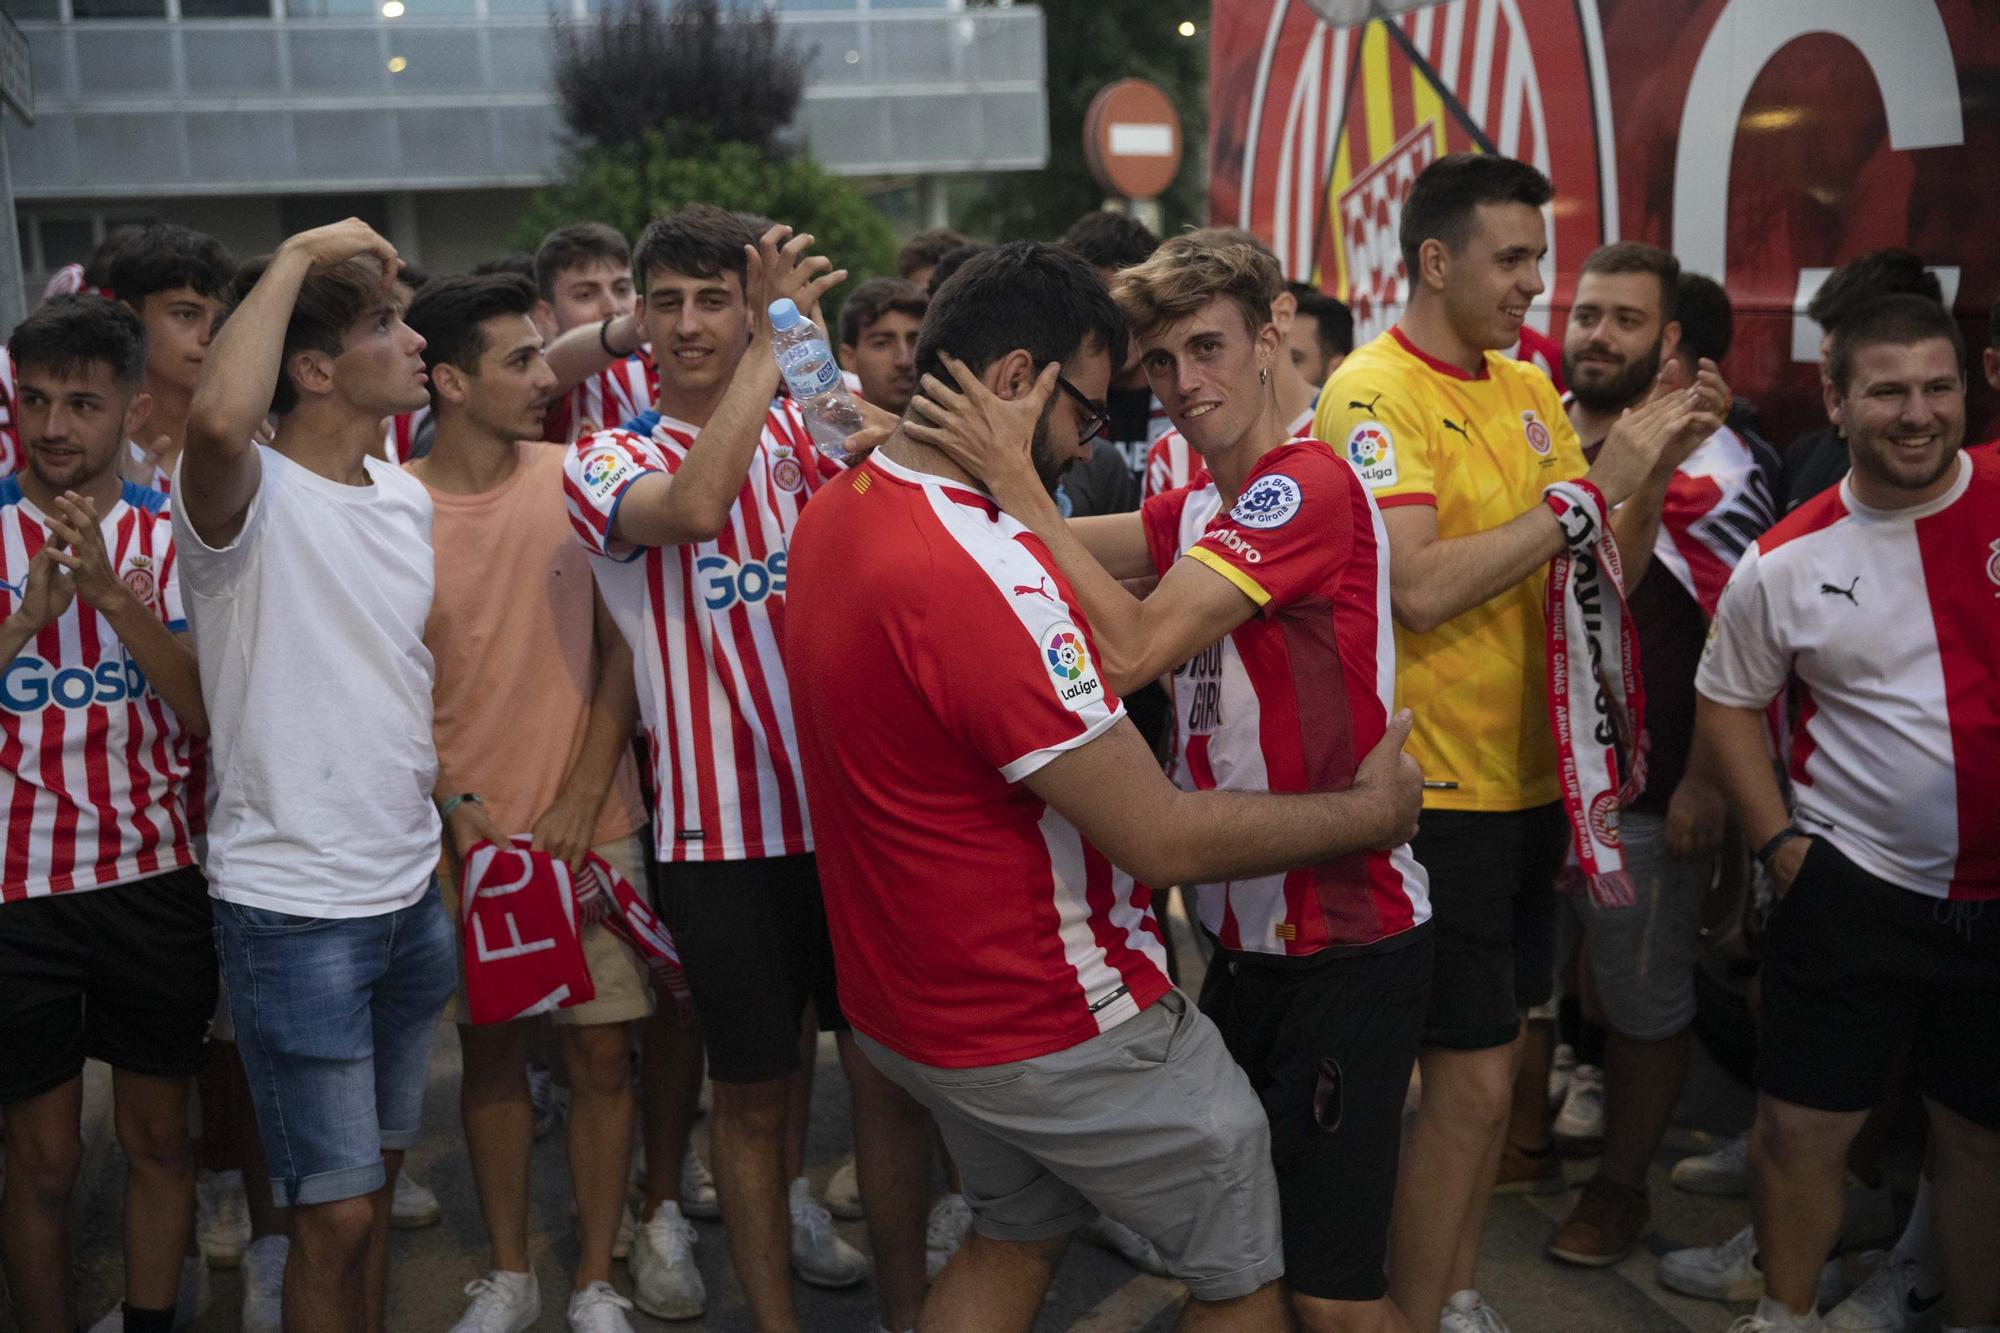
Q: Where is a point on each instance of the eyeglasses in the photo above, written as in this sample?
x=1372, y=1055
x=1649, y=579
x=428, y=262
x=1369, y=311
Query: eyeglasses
x=1095, y=417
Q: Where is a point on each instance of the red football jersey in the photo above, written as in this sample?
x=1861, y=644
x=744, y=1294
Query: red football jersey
x=936, y=660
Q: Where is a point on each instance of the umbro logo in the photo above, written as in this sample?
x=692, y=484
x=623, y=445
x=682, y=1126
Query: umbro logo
x=1835, y=590
x=1451, y=425
x=1368, y=407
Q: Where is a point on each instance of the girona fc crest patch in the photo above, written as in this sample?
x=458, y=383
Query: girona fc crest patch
x=139, y=577
x=1536, y=433
x=1993, y=565
x=1604, y=819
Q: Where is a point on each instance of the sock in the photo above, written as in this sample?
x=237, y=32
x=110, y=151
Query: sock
x=139, y=1320
x=1918, y=1246
x=1782, y=1320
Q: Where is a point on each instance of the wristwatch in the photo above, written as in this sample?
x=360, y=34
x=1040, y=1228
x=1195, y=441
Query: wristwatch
x=452, y=803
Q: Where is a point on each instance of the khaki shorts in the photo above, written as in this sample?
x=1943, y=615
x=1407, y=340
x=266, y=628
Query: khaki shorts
x=624, y=991
x=1150, y=1123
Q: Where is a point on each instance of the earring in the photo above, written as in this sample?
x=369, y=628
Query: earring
x=1264, y=376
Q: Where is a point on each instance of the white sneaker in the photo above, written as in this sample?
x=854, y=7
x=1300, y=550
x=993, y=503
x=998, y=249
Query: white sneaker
x=1870, y=1216
x=1468, y=1312
x=1581, y=1120
x=1724, y=1172
x=843, y=1191
x=264, y=1284
x=951, y=1218
x=501, y=1303
x=1757, y=1323
x=598, y=1308
x=191, y=1300
x=413, y=1205
x=1888, y=1302
x=697, y=1188
x=1729, y=1272
x=621, y=1244
x=221, y=1217
x=1123, y=1241
x=820, y=1257
x=665, y=1282
x=1560, y=1070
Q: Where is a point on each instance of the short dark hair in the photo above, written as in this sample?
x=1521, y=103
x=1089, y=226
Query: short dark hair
x=161, y=257
x=329, y=302
x=926, y=248
x=416, y=279
x=97, y=268
x=1865, y=279
x=1110, y=240
x=1332, y=319
x=1708, y=321
x=518, y=262
x=700, y=240
x=450, y=313
x=66, y=334
x=953, y=261
x=1903, y=318
x=875, y=298
x=1042, y=298
x=1638, y=257
x=1449, y=191
x=575, y=245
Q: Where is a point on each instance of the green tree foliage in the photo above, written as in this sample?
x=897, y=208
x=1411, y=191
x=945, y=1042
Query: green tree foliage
x=629, y=184
x=639, y=65
x=1092, y=43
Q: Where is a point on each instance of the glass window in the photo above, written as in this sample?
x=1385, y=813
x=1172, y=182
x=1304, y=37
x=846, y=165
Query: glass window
x=65, y=241
x=225, y=9
x=119, y=9
x=21, y=10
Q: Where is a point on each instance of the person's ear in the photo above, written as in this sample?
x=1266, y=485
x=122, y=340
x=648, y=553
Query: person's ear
x=1836, y=403
x=449, y=381
x=311, y=371
x=1433, y=264
x=136, y=413
x=1012, y=375
x=1283, y=311
x=1670, y=343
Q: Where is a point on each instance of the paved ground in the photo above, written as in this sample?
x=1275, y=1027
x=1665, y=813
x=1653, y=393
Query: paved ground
x=1095, y=1292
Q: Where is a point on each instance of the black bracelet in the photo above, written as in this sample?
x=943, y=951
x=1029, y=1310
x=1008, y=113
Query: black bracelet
x=604, y=340
x=1777, y=840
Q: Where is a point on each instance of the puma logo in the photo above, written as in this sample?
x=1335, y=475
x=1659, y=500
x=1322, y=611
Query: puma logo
x=1451, y=425
x=1039, y=588
x=1835, y=590
x=1368, y=407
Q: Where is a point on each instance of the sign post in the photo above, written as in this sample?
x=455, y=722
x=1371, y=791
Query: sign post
x=17, y=91
x=1132, y=145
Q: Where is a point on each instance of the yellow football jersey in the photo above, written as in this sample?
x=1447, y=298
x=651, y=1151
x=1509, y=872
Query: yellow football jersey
x=1480, y=449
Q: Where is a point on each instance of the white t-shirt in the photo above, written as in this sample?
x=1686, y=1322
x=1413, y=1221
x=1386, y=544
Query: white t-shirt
x=309, y=628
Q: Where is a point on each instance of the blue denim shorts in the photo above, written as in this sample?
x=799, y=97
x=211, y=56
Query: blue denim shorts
x=334, y=1019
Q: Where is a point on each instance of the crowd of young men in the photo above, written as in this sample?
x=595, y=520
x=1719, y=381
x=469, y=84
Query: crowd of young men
x=1456, y=676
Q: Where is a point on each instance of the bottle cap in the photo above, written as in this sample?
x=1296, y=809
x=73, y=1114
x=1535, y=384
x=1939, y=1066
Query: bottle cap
x=784, y=314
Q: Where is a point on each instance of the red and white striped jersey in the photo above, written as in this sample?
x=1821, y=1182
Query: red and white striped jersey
x=11, y=458
x=92, y=761
x=1297, y=695
x=706, y=622
x=1889, y=620
x=607, y=400
x=399, y=434
x=1172, y=464
x=938, y=660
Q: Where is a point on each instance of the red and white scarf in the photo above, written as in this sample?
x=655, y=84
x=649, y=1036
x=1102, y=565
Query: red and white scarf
x=1596, y=701
x=521, y=920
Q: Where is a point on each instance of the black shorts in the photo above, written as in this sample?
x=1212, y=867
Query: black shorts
x=1493, y=904
x=1328, y=1048
x=753, y=942
x=126, y=975
x=1854, y=967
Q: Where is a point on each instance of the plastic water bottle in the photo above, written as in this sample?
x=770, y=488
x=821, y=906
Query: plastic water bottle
x=815, y=381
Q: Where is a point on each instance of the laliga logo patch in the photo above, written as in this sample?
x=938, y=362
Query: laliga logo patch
x=138, y=576
x=1372, y=451
x=1269, y=503
x=1069, y=663
x=1604, y=819
x=1538, y=435
x=602, y=469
